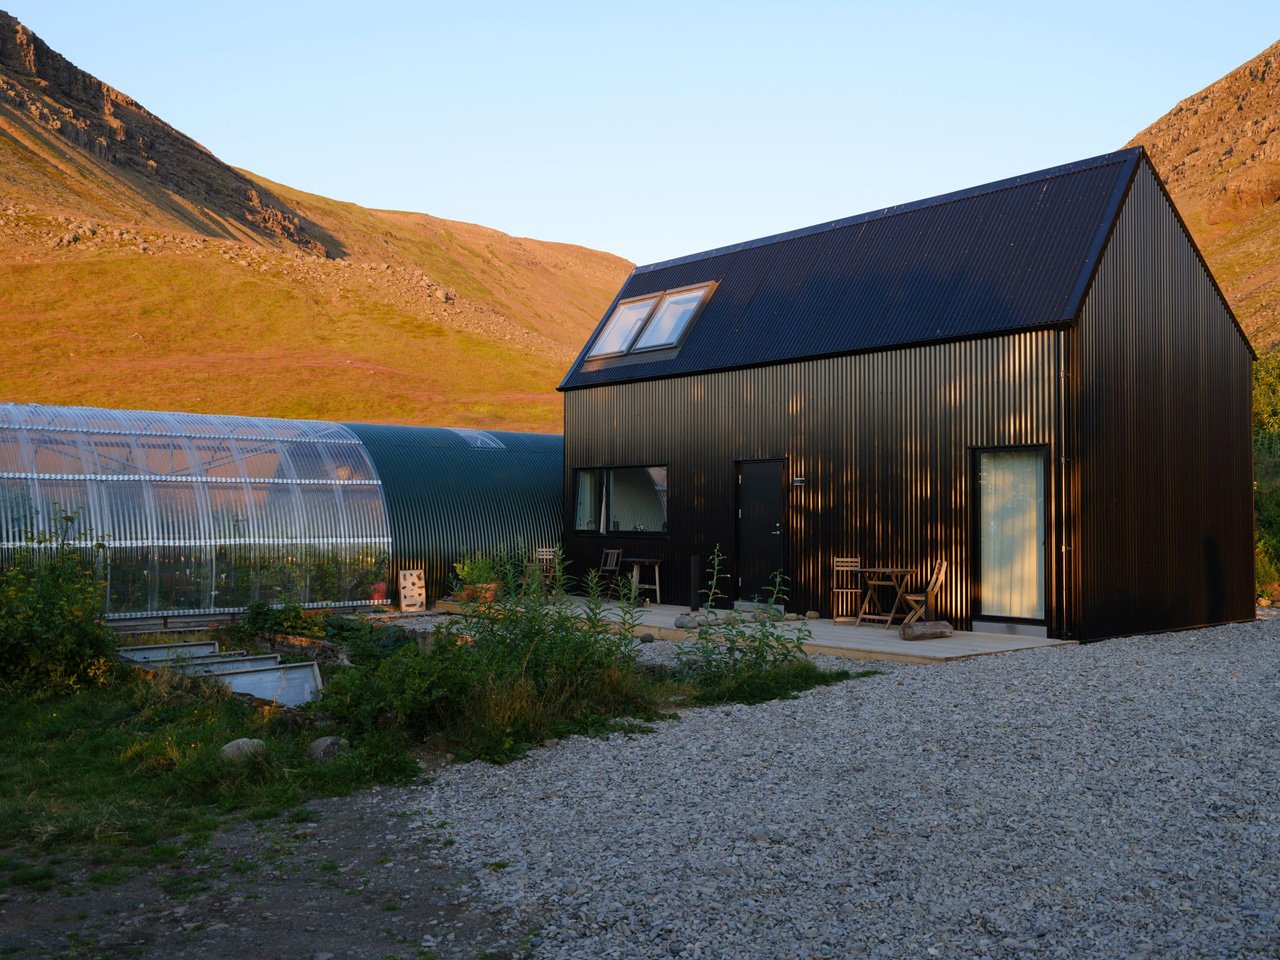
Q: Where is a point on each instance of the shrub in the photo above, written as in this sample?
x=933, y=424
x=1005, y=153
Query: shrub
x=504, y=676
x=749, y=656
x=366, y=642
x=734, y=642
x=52, y=633
x=262, y=621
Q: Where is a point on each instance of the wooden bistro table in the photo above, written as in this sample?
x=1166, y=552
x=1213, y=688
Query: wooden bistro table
x=636, y=564
x=883, y=580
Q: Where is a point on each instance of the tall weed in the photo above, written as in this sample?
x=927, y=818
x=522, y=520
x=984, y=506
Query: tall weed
x=531, y=664
x=53, y=636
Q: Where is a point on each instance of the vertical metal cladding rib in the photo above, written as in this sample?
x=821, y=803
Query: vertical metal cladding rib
x=453, y=492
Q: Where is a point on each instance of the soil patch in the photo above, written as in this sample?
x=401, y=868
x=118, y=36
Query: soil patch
x=346, y=884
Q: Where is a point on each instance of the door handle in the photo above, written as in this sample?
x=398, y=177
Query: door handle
x=775, y=533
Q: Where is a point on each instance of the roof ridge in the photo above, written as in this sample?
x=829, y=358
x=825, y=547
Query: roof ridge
x=995, y=186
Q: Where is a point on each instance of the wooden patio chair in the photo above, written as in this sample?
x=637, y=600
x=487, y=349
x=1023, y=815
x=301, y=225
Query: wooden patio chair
x=846, y=593
x=540, y=569
x=920, y=604
x=546, y=559
x=610, y=567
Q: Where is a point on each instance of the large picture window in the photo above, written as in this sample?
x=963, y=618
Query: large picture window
x=621, y=500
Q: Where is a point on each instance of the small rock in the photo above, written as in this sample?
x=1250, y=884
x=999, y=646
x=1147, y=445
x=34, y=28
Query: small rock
x=812, y=615
x=325, y=749
x=685, y=622
x=791, y=617
x=647, y=638
x=244, y=747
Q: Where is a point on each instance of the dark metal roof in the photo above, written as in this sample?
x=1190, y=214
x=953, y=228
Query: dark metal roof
x=453, y=492
x=1013, y=255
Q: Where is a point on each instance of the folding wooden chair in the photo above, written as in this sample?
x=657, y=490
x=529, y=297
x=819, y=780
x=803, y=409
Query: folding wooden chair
x=540, y=569
x=920, y=604
x=846, y=593
x=546, y=558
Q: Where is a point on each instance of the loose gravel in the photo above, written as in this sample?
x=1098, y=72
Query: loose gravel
x=1120, y=799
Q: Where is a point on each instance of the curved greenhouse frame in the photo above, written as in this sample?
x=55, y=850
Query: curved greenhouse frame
x=199, y=514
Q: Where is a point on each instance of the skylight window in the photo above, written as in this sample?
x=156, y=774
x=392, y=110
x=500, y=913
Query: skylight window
x=654, y=322
x=622, y=326
x=671, y=319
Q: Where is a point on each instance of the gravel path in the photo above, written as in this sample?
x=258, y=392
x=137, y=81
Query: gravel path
x=1115, y=800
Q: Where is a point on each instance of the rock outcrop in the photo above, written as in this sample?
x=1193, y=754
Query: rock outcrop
x=1219, y=154
x=43, y=95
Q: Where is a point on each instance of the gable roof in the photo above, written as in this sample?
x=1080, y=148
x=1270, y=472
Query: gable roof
x=1013, y=255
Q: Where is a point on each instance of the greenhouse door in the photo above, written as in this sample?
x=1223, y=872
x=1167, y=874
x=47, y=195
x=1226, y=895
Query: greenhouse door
x=1011, y=541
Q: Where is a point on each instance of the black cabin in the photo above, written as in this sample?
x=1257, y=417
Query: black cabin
x=1037, y=380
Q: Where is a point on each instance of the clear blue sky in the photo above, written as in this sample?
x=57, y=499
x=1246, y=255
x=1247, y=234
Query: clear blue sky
x=652, y=129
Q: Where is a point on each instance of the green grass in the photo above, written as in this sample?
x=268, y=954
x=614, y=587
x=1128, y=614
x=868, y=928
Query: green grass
x=779, y=682
x=134, y=766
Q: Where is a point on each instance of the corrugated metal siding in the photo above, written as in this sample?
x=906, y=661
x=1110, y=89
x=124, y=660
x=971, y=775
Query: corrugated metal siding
x=1006, y=257
x=451, y=492
x=883, y=441
x=1163, y=438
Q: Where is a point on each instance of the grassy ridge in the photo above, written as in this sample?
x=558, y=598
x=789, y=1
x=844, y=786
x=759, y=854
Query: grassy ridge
x=201, y=333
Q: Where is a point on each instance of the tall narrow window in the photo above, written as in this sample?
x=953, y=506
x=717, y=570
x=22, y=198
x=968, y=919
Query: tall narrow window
x=1011, y=551
x=587, y=514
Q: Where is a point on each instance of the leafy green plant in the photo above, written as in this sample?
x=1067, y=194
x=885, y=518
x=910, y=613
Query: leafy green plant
x=477, y=568
x=749, y=656
x=732, y=641
x=53, y=636
x=1266, y=472
x=366, y=641
x=262, y=621
x=506, y=675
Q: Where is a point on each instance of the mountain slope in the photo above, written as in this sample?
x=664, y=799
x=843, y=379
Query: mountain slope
x=137, y=269
x=1219, y=154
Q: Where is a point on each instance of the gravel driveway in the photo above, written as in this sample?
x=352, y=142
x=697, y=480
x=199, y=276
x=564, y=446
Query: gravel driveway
x=1114, y=800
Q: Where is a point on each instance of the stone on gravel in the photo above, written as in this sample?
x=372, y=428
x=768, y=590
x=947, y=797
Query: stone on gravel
x=324, y=749
x=244, y=747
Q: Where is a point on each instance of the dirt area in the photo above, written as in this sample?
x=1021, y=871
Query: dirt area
x=348, y=884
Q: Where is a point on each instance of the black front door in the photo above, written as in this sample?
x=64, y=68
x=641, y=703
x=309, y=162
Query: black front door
x=761, y=536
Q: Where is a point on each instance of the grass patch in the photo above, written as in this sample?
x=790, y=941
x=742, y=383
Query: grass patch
x=777, y=682
x=135, y=764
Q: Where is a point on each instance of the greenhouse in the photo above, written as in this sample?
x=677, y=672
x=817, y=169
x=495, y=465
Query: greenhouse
x=202, y=514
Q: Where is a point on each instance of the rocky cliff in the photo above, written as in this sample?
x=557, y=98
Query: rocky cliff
x=1219, y=153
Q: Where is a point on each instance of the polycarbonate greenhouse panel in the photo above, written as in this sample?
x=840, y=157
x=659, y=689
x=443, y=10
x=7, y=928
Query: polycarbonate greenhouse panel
x=198, y=514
